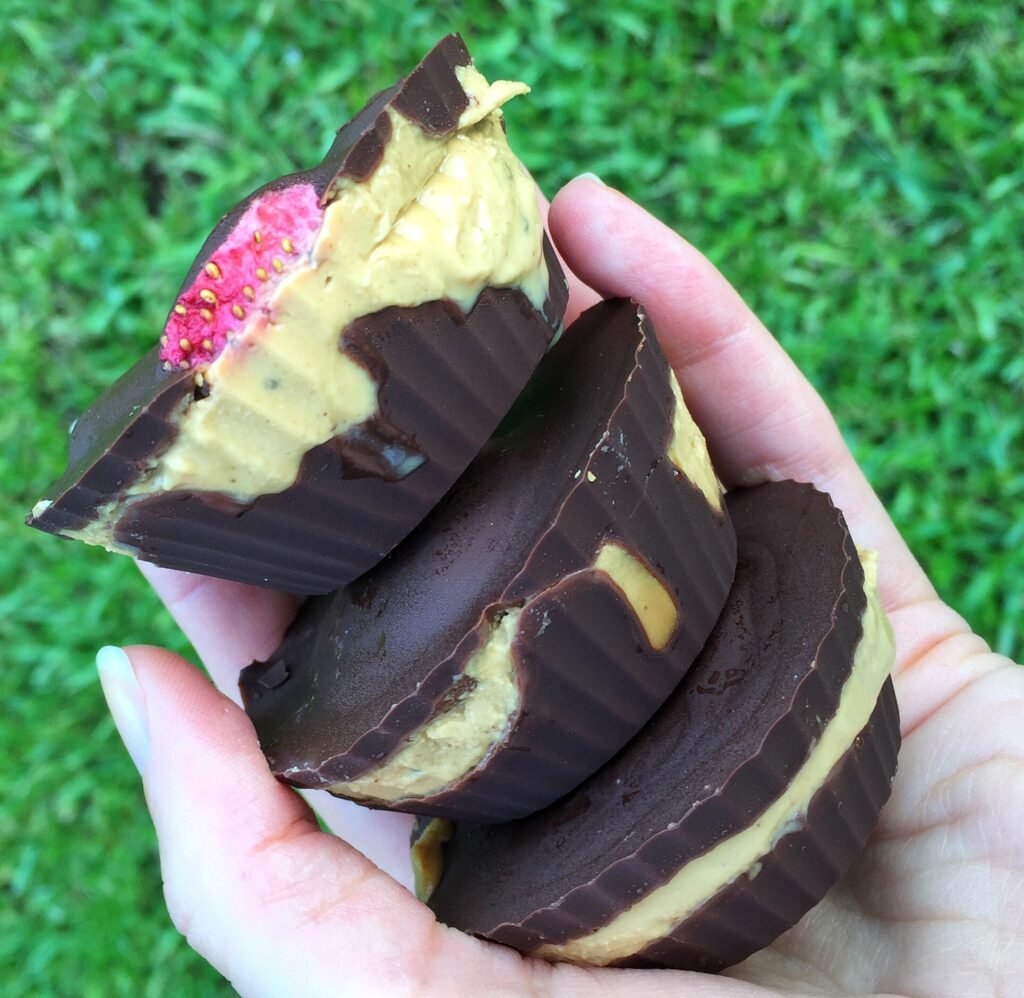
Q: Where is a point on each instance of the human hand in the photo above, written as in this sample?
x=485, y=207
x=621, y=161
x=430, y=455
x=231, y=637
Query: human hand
x=934, y=906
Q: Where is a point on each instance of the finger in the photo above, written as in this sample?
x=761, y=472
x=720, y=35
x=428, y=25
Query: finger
x=276, y=905
x=229, y=624
x=249, y=878
x=381, y=836
x=762, y=418
x=581, y=297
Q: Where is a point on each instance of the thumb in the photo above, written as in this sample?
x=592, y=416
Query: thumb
x=249, y=878
x=281, y=908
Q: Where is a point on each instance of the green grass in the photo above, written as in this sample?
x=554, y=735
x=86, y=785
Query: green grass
x=857, y=175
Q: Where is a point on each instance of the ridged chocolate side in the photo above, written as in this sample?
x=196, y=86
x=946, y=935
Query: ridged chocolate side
x=302, y=539
x=723, y=747
x=113, y=441
x=752, y=911
x=580, y=460
x=127, y=429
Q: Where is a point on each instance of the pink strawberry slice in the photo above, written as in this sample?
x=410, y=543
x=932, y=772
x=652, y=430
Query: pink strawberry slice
x=274, y=235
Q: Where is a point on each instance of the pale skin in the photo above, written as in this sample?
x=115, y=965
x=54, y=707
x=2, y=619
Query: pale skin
x=934, y=907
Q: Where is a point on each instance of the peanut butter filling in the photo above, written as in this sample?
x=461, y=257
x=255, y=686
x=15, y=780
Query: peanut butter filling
x=688, y=450
x=427, y=856
x=645, y=593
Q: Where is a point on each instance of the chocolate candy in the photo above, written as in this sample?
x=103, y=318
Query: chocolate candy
x=535, y=620
x=742, y=801
x=344, y=343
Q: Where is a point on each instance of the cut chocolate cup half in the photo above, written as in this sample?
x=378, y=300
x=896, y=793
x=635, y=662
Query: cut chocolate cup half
x=534, y=622
x=743, y=800
x=343, y=345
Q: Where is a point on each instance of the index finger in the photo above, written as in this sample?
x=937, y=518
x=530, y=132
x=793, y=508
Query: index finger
x=763, y=420
x=229, y=624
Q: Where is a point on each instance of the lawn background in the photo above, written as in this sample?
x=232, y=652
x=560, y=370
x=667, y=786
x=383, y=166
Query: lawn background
x=854, y=168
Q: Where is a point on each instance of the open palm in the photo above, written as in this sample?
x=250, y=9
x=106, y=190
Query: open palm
x=935, y=906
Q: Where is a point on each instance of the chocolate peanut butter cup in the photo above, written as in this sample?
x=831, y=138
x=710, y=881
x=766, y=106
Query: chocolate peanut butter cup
x=343, y=345
x=741, y=802
x=534, y=622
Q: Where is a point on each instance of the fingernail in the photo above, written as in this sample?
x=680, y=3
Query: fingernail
x=126, y=701
x=590, y=176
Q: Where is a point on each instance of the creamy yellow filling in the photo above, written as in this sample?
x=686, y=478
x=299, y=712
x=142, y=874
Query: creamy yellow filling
x=97, y=532
x=703, y=877
x=427, y=856
x=645, y=593
x=688, y=450
x=484, y=97
x=455, y=742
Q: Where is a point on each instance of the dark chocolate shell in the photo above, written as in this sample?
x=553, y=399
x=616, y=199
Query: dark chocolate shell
x=578, y=467
x=726, y=754
x=444, y=379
